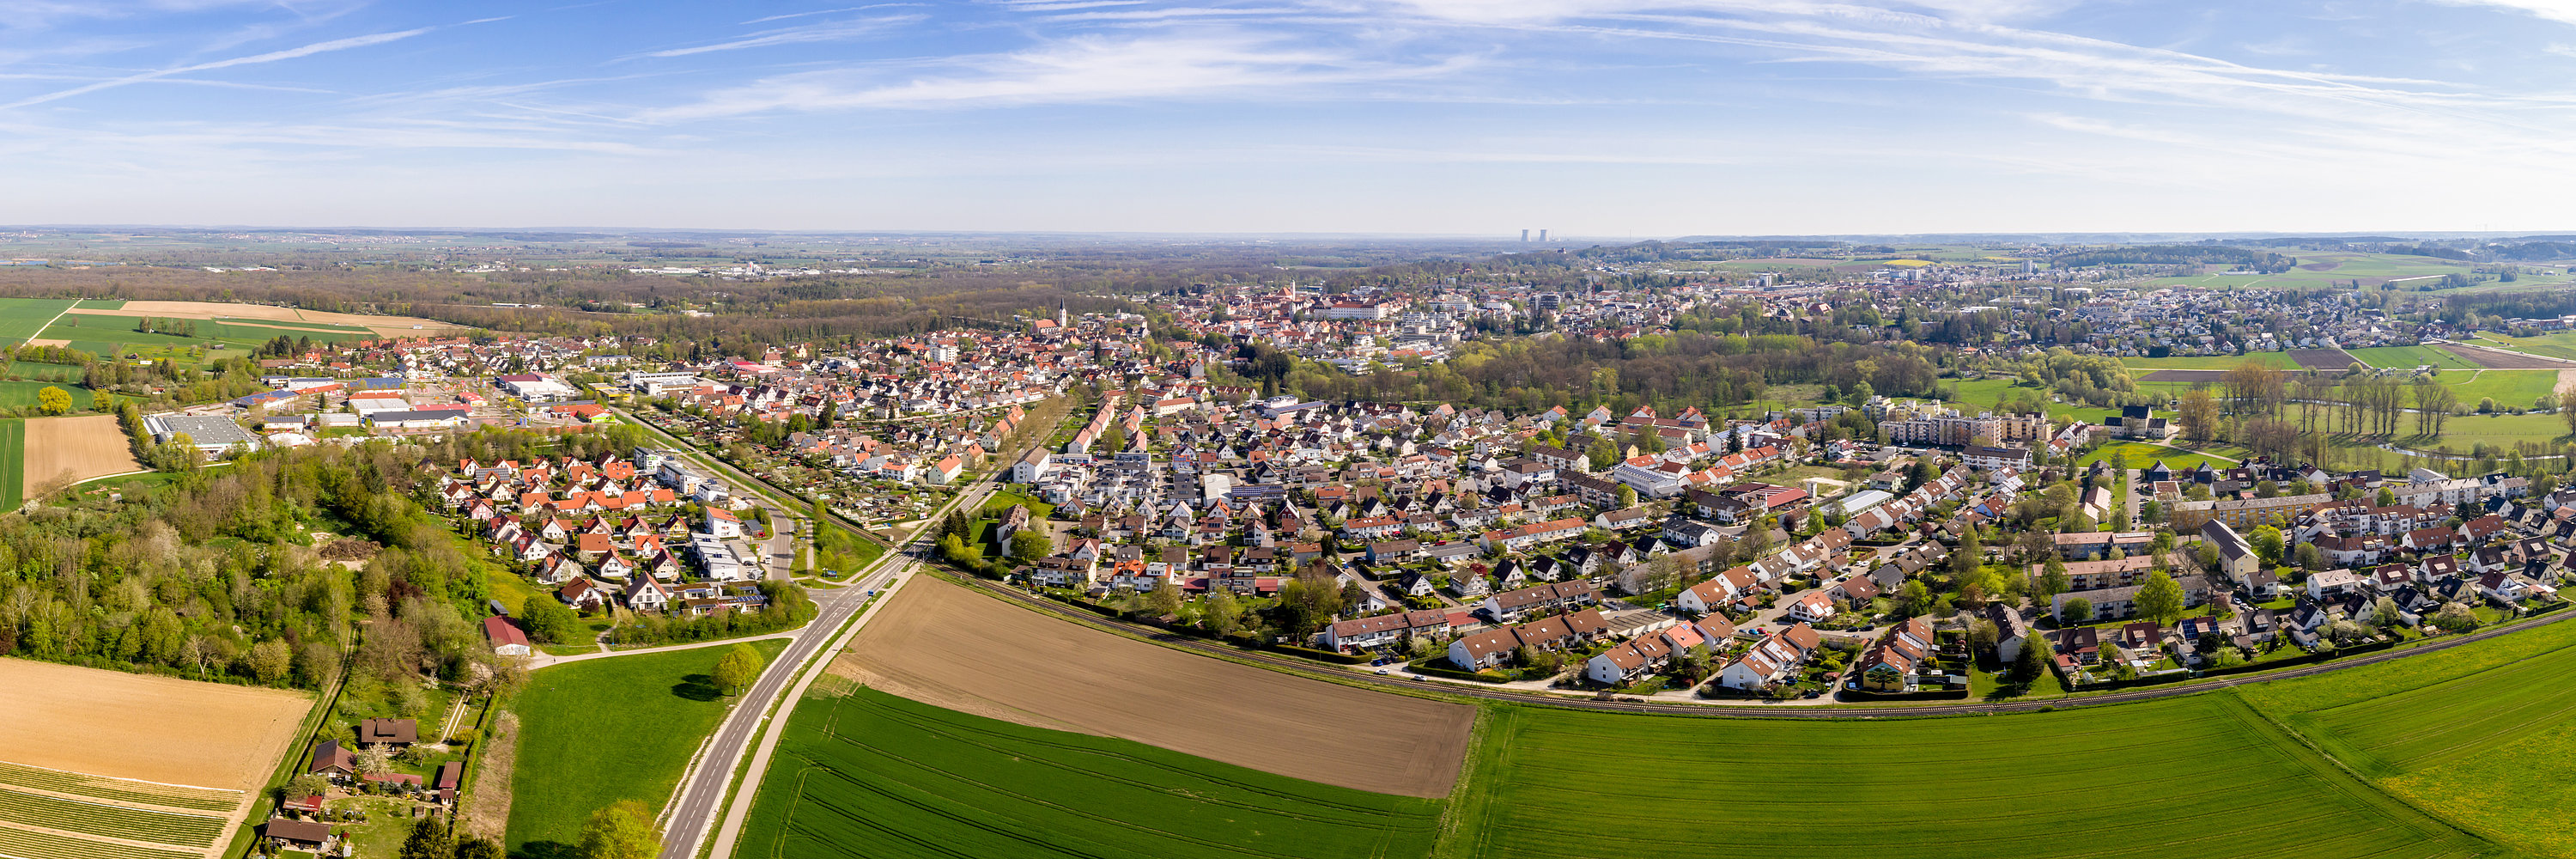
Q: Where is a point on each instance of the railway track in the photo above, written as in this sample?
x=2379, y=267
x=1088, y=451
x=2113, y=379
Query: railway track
x=1784, y=711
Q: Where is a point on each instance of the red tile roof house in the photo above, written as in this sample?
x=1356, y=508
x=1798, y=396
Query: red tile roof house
x=505, y=637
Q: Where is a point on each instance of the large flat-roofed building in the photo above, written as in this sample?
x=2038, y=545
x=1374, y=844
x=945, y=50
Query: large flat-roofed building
x=209, y=433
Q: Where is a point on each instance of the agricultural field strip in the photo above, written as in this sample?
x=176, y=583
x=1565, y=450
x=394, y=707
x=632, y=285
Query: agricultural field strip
x=113, y=821
x=2152, y=795
x=120, y=790
x=2421, y=725
x=983, y=739
x=1146, y=802
x=31, y=844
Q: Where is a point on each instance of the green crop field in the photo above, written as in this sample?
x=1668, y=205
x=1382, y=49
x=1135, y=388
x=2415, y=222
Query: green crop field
x=2194, y=776
x=870, y=774
x=84, y=328
x=100, y=304
x=2561, y=344
x=2410, y=357
x=592, y=733
x=2330, y=270
x=113, y=821
x=77, y=784
x=22, y=318
x=13, y=463
x=2483, y=733
x=31, y=370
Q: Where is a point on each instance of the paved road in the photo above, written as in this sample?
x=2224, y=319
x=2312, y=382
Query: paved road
x=701, y=802
x=705, y=790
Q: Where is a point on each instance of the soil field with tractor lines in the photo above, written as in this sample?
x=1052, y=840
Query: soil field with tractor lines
x=937, y=643
x=70, y=450
x=107, y=765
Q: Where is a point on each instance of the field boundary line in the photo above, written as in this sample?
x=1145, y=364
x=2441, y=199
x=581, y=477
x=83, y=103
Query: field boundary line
x=134, y=780
x=49, y=323
x=111, y=840
x=2351, y=780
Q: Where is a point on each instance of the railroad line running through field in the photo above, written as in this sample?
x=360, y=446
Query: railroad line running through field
x=1847, y=711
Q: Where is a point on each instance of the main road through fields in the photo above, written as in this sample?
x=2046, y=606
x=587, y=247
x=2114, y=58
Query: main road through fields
x=701, y=804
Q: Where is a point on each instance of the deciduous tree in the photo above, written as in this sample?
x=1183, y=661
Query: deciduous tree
x=620, y=831
x=738, y=668
x=2160, y=599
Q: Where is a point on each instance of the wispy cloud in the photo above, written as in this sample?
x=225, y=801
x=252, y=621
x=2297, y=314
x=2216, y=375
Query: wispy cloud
x=833, y=31
x=828, y=12
x=1081, y=69
x=254, y=59
x=2563, y=11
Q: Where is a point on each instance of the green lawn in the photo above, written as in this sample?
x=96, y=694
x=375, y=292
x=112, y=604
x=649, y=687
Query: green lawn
x=2139, y=454
x=595, y=732
x=2482, y=732
x=2197, y=776
x=869, y=774
x=2410, y=357
x=22, y=318
x=1038, y=510
x=1981, y=395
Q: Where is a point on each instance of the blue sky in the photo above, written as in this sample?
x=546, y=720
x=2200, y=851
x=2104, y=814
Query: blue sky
x=1594, y=118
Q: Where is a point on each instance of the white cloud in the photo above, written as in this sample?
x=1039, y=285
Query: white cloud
x=1077, y=69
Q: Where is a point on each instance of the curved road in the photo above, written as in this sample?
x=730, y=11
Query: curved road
x=1298, y=666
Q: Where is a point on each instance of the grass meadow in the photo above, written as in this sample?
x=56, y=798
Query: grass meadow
x=595, y=732
x=2484, y=733
x=2194, y=776
x=2410, y=357
x=22, y=318
x=870, y=774
x=2465, y=752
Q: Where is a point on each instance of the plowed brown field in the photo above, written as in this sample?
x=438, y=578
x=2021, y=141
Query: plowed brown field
x=172, y=731
x=75, y=449
x=951, y=647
